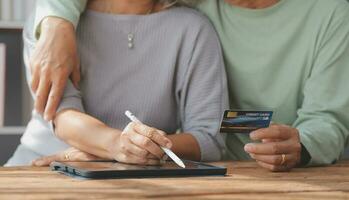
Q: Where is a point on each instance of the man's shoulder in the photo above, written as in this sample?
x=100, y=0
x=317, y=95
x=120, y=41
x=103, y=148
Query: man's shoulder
x=332, y=12
x=331, y=3
x=190, y=18
x=330, y=6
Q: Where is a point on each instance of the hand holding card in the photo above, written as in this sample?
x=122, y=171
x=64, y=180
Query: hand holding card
x=280, y=149
x=277, y=146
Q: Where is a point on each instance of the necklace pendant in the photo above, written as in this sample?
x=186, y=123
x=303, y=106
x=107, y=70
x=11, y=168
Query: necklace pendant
x=130, y=38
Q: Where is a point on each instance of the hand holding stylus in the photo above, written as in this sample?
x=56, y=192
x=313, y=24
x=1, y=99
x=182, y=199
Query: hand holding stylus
x=165, y=148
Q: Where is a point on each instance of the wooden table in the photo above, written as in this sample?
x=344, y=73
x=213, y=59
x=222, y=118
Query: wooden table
x=245, y=180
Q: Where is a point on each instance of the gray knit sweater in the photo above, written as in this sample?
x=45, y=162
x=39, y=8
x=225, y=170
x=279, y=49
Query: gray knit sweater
x=173, y=77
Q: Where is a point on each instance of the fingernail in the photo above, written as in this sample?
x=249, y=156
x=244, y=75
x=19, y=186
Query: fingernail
x=168, y=145
x=46, y=118
x=248, y=147
x=252, y=134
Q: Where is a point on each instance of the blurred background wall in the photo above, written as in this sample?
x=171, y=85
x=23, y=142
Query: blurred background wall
x=15, y=100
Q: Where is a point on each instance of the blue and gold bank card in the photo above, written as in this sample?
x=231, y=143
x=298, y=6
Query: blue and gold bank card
x=245, y=121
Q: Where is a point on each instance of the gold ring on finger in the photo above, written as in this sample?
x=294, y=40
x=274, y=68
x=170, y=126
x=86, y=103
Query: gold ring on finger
x=66, y=157
x=150, y=133
x=283, y=159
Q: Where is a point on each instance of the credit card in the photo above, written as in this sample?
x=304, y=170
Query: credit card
x=245, y=121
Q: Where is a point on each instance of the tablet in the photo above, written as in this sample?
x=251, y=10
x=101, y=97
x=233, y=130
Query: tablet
x=103, y=170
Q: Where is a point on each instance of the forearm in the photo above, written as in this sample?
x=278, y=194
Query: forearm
x=85, y=133
x=323, y=120
x=185, y=146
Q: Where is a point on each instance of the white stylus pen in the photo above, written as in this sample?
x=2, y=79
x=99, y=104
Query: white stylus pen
x=172, y=155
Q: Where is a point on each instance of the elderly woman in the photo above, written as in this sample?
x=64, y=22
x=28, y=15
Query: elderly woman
x=161, y=61
x=290, y=56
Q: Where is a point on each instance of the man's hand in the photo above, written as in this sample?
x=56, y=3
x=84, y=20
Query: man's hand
x=53, y=61
x=70, y=154
x=280, y=149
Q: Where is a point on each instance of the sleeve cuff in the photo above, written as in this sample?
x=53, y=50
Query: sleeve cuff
x=305, y=141
x=69, y=11
x=71, y=103
x=71, y=99
x=316, y=158
x=209, y=148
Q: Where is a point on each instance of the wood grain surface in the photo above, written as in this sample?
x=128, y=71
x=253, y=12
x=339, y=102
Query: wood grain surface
x=245, y=180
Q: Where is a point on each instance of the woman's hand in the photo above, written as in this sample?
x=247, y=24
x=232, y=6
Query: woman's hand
x=280, y=149
x=70, y=154
x=55, y=58
x=140, y=144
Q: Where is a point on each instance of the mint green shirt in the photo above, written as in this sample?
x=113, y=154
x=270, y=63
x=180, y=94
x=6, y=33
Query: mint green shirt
x=292, y=58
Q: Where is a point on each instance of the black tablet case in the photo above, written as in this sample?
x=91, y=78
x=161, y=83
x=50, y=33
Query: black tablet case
x=152, y=172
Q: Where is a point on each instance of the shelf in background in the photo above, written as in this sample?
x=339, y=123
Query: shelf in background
x=12, y=130
x=11, y=25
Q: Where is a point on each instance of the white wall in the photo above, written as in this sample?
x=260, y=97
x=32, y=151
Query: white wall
x=15, y=10
x=13, y=14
